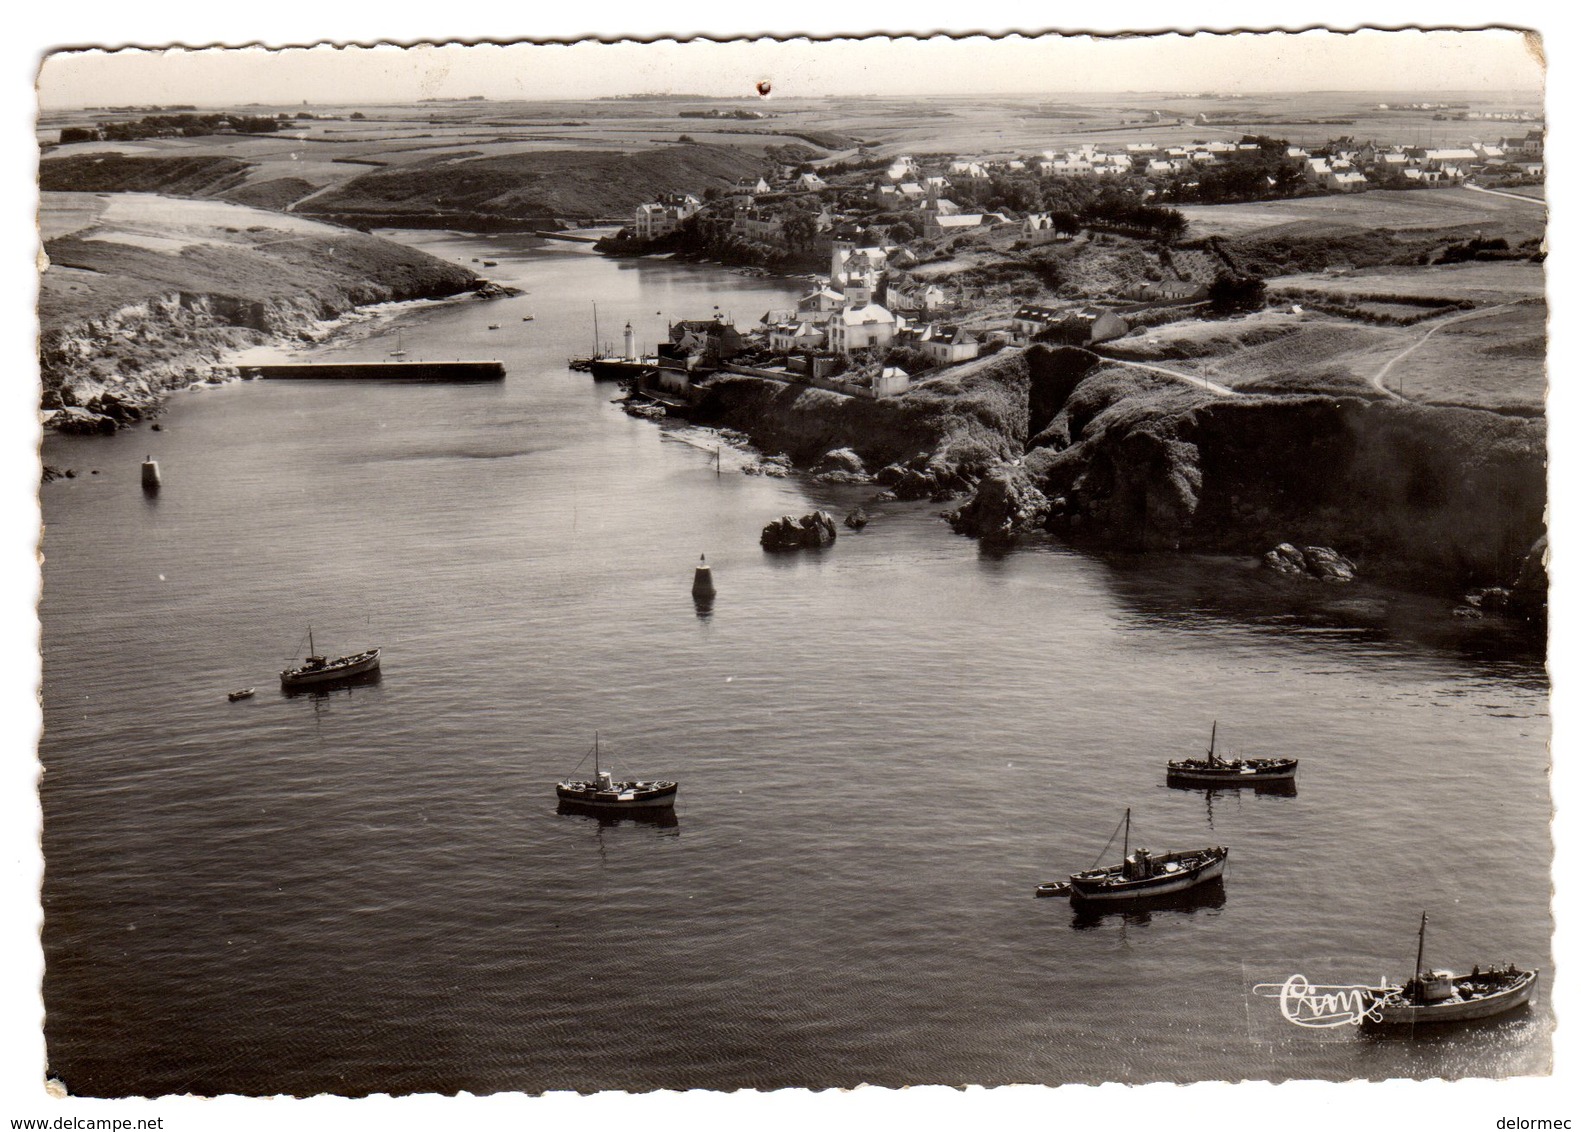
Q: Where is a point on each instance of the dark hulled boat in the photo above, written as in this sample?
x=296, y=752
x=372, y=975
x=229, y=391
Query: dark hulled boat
x=620, y=369
x=603, y=793
x=1142, y=874
x=1430, y=997
x=316, y=670
x=1214, y=771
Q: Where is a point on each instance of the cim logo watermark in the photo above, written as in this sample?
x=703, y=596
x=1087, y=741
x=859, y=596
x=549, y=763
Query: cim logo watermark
x=1323, y=1006
x=1326, y=999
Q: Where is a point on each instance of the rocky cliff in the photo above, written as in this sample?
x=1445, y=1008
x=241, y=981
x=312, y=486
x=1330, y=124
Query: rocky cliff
x=1441, y=497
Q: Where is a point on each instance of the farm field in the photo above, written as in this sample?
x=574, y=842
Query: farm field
x=1271, y=351
x=1405, y=209
x=986, y=127
x=1490, y=358
x=1488, y=282
x=1493, y=359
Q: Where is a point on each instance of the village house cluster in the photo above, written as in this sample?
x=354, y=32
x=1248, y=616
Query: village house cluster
x=858, y=313
x=800, y=208
x=1349, y=168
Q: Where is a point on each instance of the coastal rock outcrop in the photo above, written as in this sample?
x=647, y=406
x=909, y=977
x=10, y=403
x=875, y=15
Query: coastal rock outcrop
x=775, y=467
x=1319, y=562
x=841, y=465
x=809, y=532
x=1529, y=594
x=1006, y=504
x=79, y=421
x=857, y=519
x=925, y=478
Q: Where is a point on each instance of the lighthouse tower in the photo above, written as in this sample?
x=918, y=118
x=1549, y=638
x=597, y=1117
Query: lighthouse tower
x=838, y=254
x=631, y=343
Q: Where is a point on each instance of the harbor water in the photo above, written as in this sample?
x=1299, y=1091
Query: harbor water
x=883, y=747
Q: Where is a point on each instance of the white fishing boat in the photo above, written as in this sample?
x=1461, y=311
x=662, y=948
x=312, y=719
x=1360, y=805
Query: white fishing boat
x=603, y=792
x=1431, y=997
x=1214, y=771
x=1142, y=874
x=316, y=670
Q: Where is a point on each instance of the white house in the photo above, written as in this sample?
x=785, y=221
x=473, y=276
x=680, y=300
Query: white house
x=868, y=326
x=890, y=381
x=937, y=224
x=659, y=217
x=1345, y=180
x=1032, y=320
x=794, y=337
x=946, y=345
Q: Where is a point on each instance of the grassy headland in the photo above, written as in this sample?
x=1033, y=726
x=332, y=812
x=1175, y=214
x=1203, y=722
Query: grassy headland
x=144, y=292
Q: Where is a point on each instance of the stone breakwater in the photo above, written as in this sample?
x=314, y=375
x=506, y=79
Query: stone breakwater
x=1439, y=498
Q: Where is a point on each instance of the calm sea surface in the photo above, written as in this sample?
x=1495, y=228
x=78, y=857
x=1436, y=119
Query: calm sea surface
x=882, y=748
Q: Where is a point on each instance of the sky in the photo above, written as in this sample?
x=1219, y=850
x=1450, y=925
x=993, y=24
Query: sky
x=1408, y=61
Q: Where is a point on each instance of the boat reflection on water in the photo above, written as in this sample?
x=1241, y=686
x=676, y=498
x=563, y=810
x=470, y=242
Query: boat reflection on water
x=1285, y=788
x=346, y=684
x=1086, y=914
x=1221, y=794
x=1493, y=1032
x=662, y=817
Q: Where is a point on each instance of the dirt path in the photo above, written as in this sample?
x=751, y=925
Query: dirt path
x=1539, y=201
x=1379, y=377
x=1189, y=378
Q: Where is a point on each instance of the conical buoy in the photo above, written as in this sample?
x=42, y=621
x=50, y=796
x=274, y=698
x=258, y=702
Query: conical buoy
x=702, y=579
x=150, y=474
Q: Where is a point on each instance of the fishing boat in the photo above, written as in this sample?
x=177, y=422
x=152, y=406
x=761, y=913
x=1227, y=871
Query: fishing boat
x=527, y=318
x=494, y=326
x=1439, y=996
x=400, y=345
x=1142, y=874
x=318, y=670
x=602, y=792
x=1214, y=771
x=242, y=694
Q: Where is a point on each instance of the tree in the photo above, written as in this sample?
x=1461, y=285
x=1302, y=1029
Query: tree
x=800, y=230
x=1231, y=292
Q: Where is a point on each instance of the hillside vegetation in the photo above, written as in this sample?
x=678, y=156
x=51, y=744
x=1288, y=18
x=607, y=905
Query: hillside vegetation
x=548, y=183
x=145, y=292
x=122, y=173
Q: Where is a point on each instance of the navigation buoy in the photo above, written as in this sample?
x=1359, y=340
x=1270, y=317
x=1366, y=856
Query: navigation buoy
x=150, y=474
x=703, y=580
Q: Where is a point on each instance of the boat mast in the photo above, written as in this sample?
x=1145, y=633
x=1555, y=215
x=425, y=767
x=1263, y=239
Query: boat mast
x=595, y=756
x=1126, y=850
x=1421, y=942
x=311, y=651
x=595, y=329
x=1213, y=740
